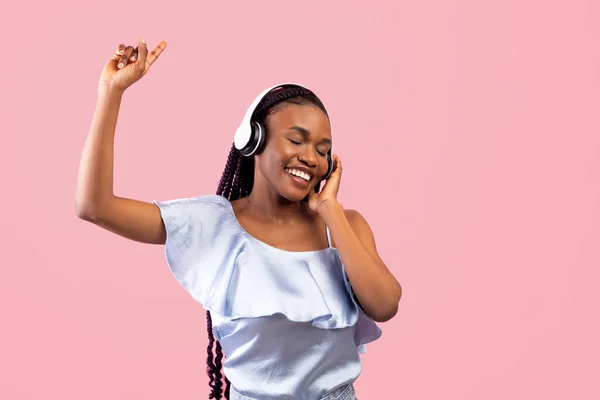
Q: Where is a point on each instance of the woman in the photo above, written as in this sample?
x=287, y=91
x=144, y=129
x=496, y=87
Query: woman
x=292, y=282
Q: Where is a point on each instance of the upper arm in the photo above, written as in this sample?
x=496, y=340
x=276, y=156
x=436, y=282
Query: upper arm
x=136, y=220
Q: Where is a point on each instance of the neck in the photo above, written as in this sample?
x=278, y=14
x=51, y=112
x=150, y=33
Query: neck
x=273, y=206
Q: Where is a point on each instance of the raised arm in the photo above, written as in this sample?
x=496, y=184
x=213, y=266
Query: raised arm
x=95, y=200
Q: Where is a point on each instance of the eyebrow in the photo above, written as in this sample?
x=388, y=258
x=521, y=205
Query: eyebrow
x=306, y=133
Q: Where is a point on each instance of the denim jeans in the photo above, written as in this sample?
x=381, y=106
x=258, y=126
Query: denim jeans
x=345, y=392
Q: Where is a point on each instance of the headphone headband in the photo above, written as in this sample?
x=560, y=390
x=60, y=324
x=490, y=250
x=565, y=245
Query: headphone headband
x=242, y=134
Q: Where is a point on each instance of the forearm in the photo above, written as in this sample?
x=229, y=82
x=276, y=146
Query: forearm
x=95, y=176
x=374, y=285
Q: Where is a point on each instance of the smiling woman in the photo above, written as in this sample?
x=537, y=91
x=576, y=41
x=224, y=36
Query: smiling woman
x=270, y=171
x=292, y=282
x=298, y=142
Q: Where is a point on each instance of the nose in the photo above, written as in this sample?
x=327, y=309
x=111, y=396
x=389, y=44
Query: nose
x=309, y=157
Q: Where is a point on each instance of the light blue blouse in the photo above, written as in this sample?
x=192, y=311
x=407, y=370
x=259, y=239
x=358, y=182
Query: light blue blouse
x=287, y=321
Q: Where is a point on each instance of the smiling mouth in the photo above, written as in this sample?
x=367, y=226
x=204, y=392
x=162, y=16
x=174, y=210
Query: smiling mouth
x=300, y=178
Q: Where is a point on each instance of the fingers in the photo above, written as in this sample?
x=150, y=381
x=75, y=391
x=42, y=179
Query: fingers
x=142, y=55
x=337, y=163
x=118, y=53
x=125, y=57
x=154, y=54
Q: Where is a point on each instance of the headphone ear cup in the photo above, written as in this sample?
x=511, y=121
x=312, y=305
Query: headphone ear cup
x=256, y=140
x=329, y=166
x=261, y=136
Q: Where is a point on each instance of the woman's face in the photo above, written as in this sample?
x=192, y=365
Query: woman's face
x=294, y=158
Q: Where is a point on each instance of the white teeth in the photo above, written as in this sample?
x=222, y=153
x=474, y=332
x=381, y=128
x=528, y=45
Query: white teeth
x=297, y=173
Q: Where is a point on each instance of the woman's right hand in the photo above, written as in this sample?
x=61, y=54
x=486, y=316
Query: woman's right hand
x=127, y=65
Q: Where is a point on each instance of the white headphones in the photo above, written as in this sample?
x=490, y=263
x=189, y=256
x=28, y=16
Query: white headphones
x=250, y=136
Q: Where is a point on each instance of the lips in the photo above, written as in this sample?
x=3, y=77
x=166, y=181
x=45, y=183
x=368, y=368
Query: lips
x=299, y=178
x=299, y=173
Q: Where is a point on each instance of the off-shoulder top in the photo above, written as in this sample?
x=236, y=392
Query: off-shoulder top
x=287, y=321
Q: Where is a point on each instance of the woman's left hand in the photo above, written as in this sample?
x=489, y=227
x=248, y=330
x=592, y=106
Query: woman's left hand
x=330, y=190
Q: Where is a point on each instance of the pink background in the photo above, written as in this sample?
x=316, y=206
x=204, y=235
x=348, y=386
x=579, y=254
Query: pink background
x=470, y=138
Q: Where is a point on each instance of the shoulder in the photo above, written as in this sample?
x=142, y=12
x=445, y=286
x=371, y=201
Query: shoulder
x=208, y=200
x=360, y=225
x=208, y=207
x=187, y=201
x=355, y=218
x=180, y=210
x=352, y=214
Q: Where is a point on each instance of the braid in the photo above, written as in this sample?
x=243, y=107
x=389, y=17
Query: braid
x=237, y=182
x=227, y=176
x=246, y=178
x=211, y=367
x=236, y=187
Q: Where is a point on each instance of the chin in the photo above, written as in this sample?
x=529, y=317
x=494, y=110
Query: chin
x=294, y=194
x=295, y=191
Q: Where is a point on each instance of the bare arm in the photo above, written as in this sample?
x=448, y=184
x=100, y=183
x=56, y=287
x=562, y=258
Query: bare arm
x=94, y=199
x=375, y=286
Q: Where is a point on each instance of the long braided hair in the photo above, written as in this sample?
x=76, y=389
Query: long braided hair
x=236, y=182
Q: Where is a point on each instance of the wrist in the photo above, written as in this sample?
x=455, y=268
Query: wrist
x=329, y=207
x=108, y=91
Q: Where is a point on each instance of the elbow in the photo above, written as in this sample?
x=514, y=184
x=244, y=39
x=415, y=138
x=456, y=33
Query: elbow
x=85, y=210
x=90, y=206
x=84, y=214
x=384, y=314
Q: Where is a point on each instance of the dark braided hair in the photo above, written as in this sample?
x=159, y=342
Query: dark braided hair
x=236, y=182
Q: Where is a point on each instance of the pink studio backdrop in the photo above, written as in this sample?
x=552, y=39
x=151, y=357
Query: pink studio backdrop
x=470, y=138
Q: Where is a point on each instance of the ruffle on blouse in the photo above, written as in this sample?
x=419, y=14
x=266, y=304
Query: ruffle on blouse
x=234, y=274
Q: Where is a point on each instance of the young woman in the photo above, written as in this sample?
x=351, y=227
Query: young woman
x=291, y=281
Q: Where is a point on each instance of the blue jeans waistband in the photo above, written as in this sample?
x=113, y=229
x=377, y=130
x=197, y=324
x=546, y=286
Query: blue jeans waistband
x=344, y=392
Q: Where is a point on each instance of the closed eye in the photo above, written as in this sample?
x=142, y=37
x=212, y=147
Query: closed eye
x=297, y=143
